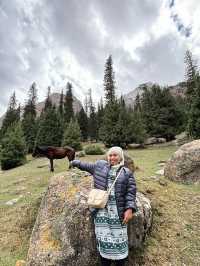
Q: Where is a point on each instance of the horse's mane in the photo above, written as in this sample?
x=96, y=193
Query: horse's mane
x=69, y=148
x=43, y=148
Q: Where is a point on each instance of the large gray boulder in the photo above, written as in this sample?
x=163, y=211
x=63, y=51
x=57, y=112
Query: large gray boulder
x=63, y=234
x=184, y=165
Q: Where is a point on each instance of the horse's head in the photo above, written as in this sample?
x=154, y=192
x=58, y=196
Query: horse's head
x=70, y=153
x=36, y=152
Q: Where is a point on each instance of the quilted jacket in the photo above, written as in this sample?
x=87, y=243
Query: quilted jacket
x=125, y=186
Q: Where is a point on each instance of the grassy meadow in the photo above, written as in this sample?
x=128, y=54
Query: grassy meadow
x=174, y=238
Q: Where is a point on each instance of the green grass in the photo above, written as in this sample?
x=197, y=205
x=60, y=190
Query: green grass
x=174, y=237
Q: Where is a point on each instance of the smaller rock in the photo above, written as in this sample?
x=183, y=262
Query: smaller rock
x=13, y=201
x=150, y=191
x=154, y=177
x=135, y=146
x=161, y=161
x=161, y=164
x=160, y=172
x=163, y=182
x=149, y=141
x=161, y=140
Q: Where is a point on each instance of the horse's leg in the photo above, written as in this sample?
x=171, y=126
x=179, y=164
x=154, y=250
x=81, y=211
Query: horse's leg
x=51, y=163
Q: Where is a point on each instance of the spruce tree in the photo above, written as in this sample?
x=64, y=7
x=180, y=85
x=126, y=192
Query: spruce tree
x=13, y=150
x=136, y=127
x=107, y=131
x=68, y=103
x=29, y=124
x=61, y=113
x=137, y=104
x=193, y=125
x=100, y=114
x=12, y=115
x=50, y=128
x=109, y=81
x=61, y=104
x=72, y=135
x=92, y=120
x=160, y=113
x=48, y=103
x=191, y=76
x=122, y=134
x=93, y=133
x=83, y=124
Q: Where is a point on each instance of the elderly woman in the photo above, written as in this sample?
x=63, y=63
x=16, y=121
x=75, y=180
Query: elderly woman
x=111, y=221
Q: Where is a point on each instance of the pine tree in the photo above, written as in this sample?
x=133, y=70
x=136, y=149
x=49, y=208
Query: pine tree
x=160, y=113
x=68, y=103
x=122, y=134
x=83, y=124
x=86, y=105
x=72, y=135
x=50, y=130
x=29, y=124
x=147, y=109
x=100, y=114
x=50, y=127
x=107, y=131
x=92, y=120
x=137, y=103
x=13, y=150
x=48, y=103
x=61, y=104
x=109, y=81
x=12, y=115
x=93, y=133
x=193, y=125
x=191, y=75
x=136, y=127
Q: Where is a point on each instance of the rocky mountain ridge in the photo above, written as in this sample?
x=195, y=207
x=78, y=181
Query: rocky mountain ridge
x=176, y=90
x=55, y=98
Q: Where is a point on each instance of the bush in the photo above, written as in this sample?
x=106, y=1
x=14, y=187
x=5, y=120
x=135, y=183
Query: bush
x=93, y=149
x=13, y=152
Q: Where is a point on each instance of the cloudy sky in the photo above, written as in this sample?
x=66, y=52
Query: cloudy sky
x=52, y=42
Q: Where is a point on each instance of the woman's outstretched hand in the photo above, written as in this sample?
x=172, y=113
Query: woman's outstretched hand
x=128, y=215
x=70, y=165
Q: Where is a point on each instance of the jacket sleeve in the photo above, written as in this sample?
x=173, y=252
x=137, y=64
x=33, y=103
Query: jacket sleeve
x=88, y=167
x=131, y=193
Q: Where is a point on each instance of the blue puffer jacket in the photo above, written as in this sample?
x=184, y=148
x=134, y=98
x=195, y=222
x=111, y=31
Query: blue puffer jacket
x=125, y=186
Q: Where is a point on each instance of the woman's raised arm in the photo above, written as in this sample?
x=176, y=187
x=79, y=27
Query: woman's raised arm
x=89, y=167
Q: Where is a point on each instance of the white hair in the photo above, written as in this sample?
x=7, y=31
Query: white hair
x=119, y=151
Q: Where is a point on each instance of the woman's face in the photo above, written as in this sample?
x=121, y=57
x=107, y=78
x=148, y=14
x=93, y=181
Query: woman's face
x=114, y=158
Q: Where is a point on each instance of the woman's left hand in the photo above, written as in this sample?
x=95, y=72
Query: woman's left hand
x=128, y=215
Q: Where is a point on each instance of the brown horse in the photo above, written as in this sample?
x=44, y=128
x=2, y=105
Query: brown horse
x=52, y=153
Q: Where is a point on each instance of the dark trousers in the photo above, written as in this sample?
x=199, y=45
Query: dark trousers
x=107, y=262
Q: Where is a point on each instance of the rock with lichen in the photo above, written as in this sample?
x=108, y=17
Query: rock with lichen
x=63, y=233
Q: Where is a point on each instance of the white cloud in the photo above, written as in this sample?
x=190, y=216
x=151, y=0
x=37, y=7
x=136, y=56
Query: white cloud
x=52, y=42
